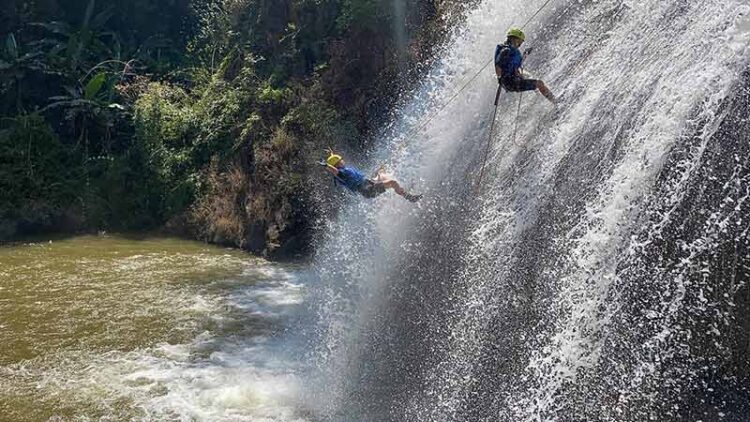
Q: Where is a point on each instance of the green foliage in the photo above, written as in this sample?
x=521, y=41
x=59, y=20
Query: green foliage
x=214, y=37
x=40, y=179
x=17, y=62
x=75, y=46
x=163, y=116
x=163, y=150
x=358, y=13
x=269, y=95
x=94, y=86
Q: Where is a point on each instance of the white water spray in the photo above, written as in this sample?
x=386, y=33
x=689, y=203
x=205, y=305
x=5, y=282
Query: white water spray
x=527, y=322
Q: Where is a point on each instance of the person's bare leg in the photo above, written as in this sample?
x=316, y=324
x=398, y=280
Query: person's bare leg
x=390, y=183
x=393, y=184
x=546, y=92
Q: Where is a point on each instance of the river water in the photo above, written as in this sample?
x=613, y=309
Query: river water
x=117, y=328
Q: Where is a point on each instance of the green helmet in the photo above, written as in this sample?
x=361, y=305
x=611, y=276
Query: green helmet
x=515, y=32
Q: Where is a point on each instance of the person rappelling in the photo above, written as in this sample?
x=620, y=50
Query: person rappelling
x=354, y=180
x=508, y=67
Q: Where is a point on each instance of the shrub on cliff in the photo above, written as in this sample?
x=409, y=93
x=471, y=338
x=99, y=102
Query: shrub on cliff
x=163, y=149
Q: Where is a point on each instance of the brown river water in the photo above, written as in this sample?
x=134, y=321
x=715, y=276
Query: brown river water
x=117, y=328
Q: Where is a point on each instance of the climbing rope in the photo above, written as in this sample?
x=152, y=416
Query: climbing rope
x=446, y=104
x=432, y=116
x=518, y=113
x=489, y=138
x=535, y=14
x=489, y=141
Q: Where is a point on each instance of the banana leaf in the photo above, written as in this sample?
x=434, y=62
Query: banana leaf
x=95, y=85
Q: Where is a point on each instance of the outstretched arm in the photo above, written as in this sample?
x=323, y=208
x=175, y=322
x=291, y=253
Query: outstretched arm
x=329, y=168
x=519, y=72
x=379, y=171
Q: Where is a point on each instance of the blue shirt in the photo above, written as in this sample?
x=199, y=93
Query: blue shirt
x=509, y=59
x=351, y=177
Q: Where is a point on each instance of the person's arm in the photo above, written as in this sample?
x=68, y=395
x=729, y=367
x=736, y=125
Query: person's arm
x=498, y=60
x=518, y=61
x=329, y=168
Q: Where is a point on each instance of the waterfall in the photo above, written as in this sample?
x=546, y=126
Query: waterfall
x=600, y=273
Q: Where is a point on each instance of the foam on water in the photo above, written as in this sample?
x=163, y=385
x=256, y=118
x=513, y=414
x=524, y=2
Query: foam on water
x=227, y=378
x=221, y=357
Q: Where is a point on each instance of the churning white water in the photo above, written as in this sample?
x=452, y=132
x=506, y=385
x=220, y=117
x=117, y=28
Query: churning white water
x=109, y=329
x=588, y=279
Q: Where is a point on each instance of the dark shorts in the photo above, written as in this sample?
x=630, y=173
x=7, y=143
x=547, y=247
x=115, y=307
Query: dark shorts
x=516, y=84
x=370, y=189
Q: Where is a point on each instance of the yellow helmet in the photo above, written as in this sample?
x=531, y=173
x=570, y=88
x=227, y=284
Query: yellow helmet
x=333, y=159
x=515, y=32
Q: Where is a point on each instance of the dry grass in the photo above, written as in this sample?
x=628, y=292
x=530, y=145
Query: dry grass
x=284, y=143
x=245, y=209
x=220, y=215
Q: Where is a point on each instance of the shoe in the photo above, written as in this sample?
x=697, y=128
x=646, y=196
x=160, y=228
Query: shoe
x=412, y=198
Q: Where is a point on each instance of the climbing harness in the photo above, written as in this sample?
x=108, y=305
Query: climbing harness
x=492, y=126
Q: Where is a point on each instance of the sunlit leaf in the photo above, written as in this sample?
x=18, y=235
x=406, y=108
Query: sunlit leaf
x=95, y=85
x=70, y=105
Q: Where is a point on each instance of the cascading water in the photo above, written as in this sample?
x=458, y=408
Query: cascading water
x=600, y=273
